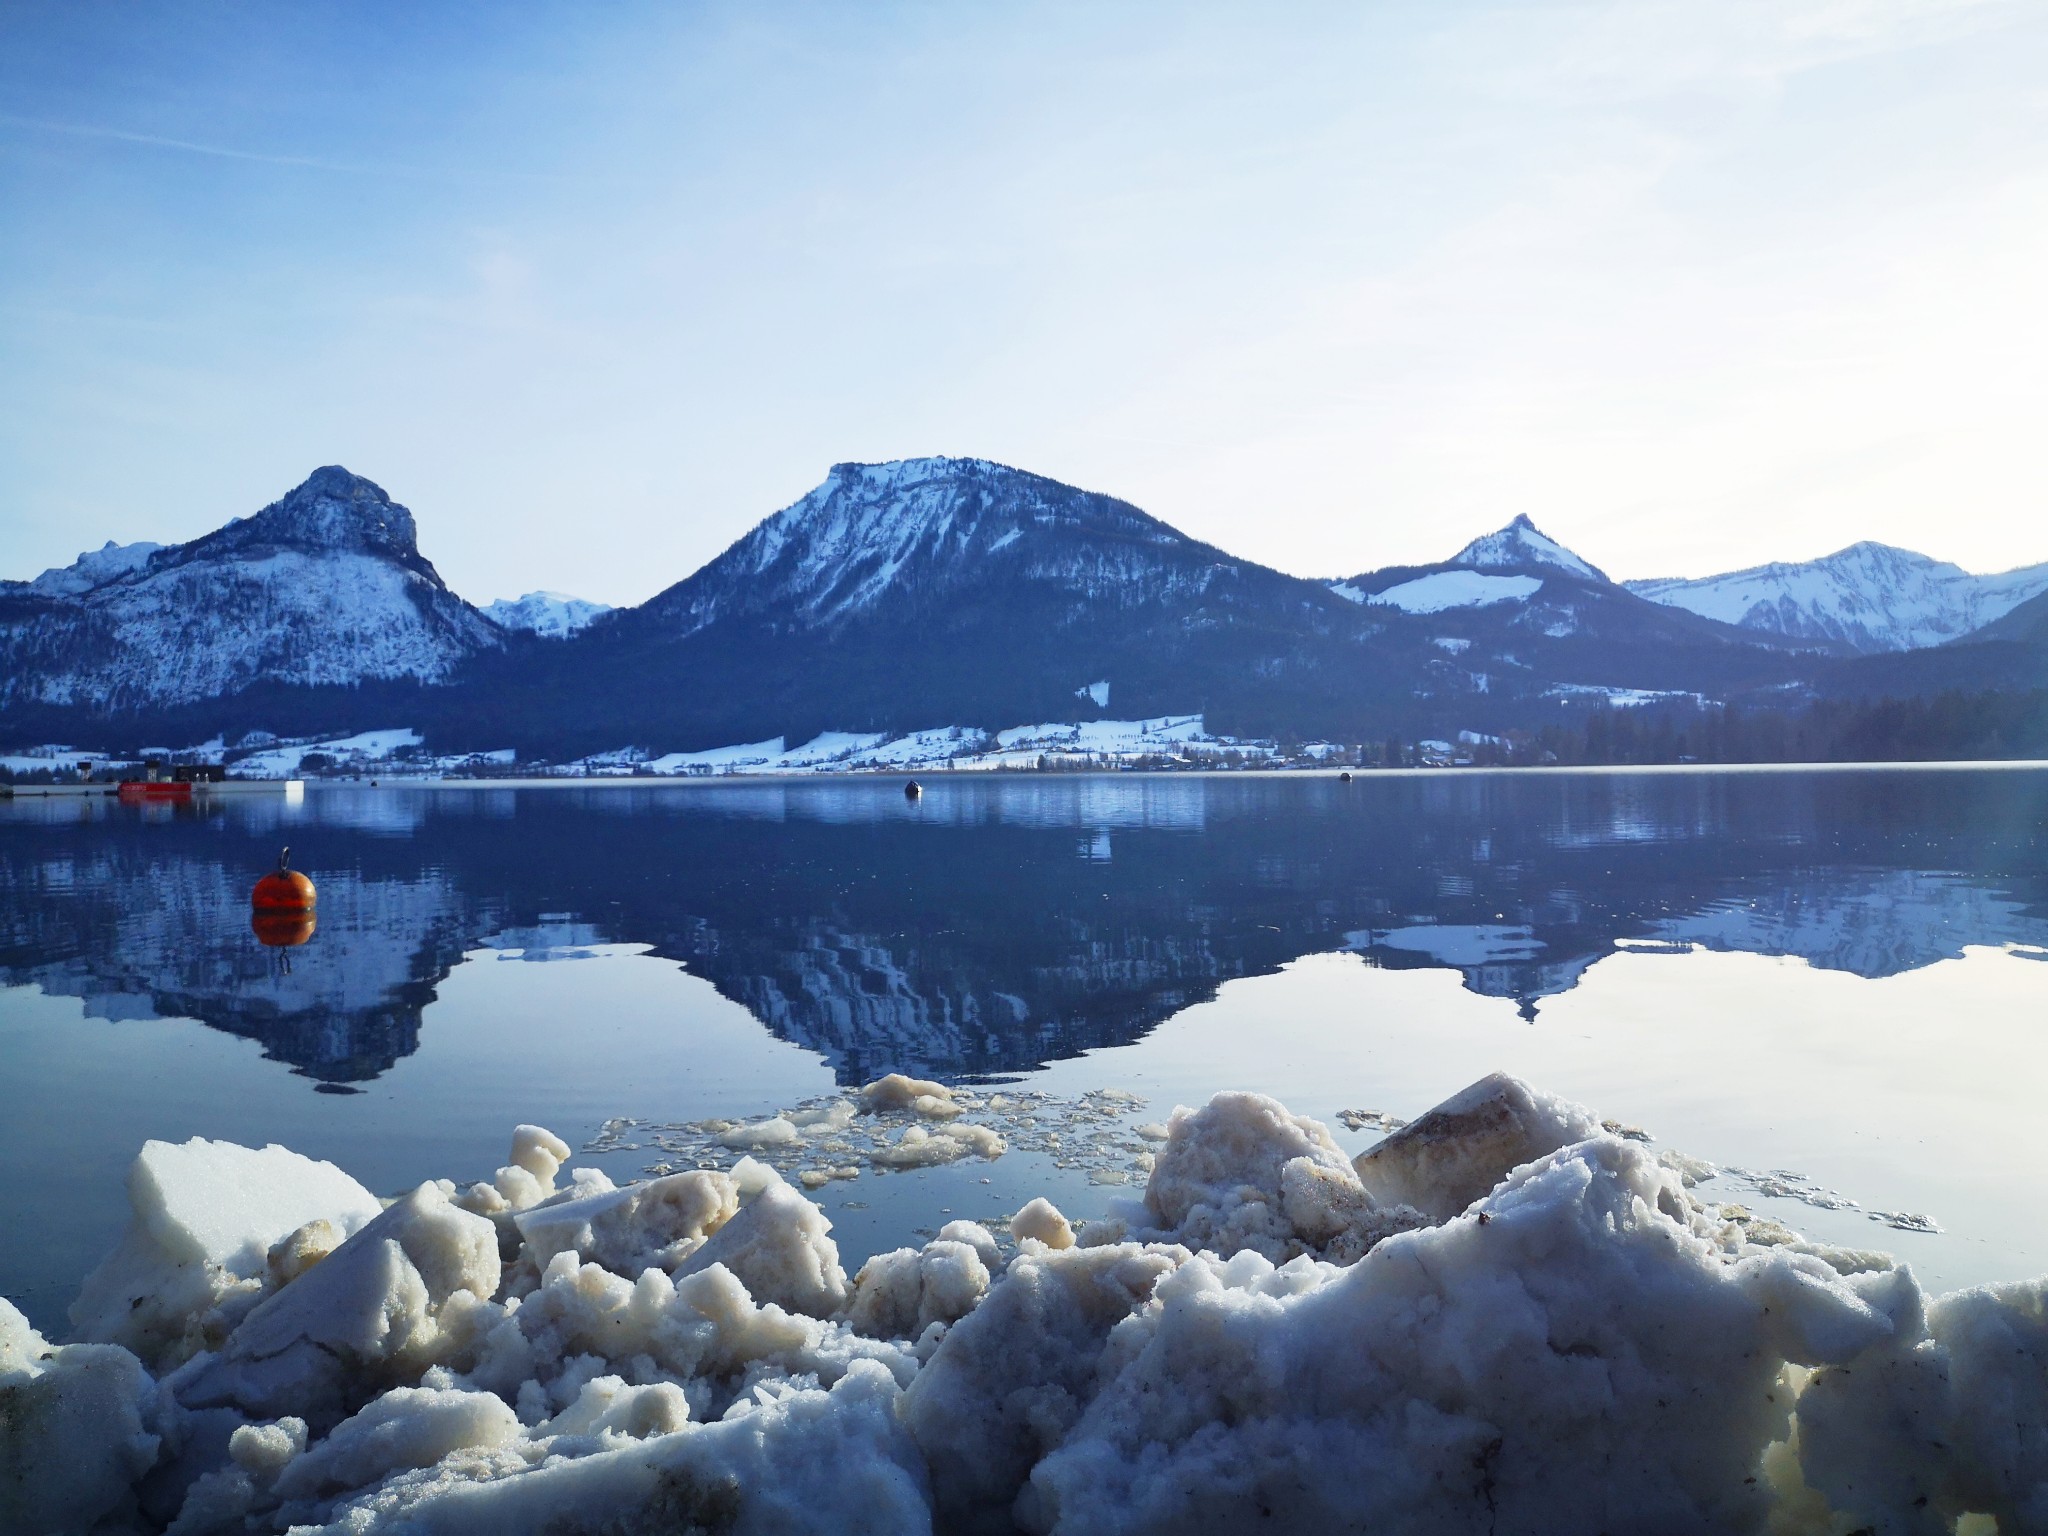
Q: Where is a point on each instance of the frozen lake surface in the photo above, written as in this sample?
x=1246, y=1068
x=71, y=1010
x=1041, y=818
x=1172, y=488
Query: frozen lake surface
x=1829, y=984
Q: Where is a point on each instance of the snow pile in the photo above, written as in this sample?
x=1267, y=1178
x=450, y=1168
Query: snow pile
x=1500, y=1317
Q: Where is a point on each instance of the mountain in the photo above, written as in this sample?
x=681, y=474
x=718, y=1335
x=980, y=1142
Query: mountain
x=941, y=591
x=952, y=595
x=1518, y=616
x=551, y=615
x=887, y=542
x=324, y=588
x=1871, y=597
x=1522, y=546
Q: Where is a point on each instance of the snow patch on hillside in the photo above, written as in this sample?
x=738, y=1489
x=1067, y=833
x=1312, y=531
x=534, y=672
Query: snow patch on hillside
x=1456, y=589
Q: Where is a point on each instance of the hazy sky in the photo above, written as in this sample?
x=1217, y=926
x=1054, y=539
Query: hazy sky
x=593, y=288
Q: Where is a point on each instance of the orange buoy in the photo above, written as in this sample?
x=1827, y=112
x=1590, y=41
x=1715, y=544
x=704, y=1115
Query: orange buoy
x=284, y=889
x=281, y=930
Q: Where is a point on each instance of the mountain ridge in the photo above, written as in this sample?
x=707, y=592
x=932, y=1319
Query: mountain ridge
x=1868, y=595
x=893, y=597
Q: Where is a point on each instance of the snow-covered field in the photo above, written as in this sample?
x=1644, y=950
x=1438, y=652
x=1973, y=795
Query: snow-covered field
x=1504, y=1316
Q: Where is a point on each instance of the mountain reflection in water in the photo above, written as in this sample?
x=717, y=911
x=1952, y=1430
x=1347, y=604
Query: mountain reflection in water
x=998, y=924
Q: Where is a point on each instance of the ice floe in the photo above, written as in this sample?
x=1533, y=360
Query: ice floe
x=1505, y=1316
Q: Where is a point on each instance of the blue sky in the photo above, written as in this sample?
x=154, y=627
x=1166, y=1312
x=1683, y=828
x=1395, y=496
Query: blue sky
x=594, y=288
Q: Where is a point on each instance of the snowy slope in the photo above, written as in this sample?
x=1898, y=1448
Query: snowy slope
x=551, y=615
x=326, y=586
x=1872, y=596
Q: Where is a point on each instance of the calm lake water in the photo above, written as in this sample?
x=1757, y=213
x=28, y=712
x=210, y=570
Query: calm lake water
x=1831, y=982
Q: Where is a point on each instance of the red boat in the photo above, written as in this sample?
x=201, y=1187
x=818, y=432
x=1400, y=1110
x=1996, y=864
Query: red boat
x=154, y=789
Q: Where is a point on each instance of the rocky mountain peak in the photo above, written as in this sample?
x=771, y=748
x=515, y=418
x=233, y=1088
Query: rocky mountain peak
x=335, y=509
x=1521, y=544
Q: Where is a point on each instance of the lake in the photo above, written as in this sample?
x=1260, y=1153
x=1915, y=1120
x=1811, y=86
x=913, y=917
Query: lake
x=1827, y=983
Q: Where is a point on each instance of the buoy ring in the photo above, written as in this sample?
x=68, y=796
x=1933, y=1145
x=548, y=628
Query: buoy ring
x=284, y=889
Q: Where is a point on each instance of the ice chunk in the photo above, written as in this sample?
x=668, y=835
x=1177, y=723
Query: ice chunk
x=405, y=1428
x=920, y=1148
x=897, y=1092
x=799, y=1461
x=780, y=1248
x=1235, y=1173
x=529, y=1178
x=202, y=1218
x=775, y=1132
x=1011, y=1377
x=539, y=1151
x=75, y=1429
x=975, y=1236
x=1042, y=1222
x=703, y=1331
x=822, y=1119
x=607, y=1406
x=363, y=1319
x=301, y=1248
x=1465, y=1146
x=1573, y=1356
x=655, y=1224
x=898, y=1295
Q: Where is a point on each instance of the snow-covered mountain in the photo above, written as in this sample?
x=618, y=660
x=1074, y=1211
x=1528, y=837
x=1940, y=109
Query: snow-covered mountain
x=1873, y=597
x=1522, y=546
x=324, y=587
x=952, y=590
x=877, y=538
x=551, y=615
